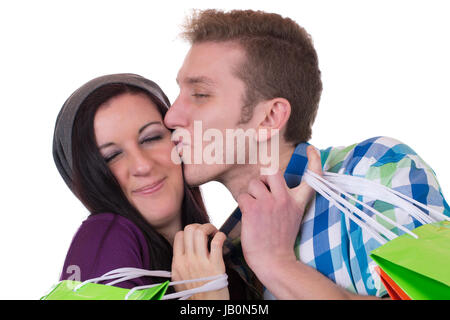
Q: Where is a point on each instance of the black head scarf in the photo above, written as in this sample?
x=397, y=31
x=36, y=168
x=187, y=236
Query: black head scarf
x=62, y=138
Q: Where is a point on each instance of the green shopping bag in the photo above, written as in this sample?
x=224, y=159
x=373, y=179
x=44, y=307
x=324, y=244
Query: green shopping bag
x=420, y=267
x=415, y=265
x=91, y=290
x=67, y=290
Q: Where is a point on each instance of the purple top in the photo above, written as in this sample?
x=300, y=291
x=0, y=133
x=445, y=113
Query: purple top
x=105, y=242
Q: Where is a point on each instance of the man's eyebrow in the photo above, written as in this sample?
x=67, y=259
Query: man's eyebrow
x=108, y=144
x=200, y=79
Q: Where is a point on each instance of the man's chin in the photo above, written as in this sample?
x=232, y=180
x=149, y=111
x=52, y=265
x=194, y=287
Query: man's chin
x=196, y=175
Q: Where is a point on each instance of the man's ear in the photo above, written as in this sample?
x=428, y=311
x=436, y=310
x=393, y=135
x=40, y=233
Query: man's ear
x=276, y=114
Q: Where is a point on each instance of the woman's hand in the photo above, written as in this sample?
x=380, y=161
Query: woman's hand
x=192, y=259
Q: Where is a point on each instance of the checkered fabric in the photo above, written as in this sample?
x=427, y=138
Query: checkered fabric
x=330, y=242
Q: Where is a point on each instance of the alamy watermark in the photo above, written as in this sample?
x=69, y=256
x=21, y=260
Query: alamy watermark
x=237, y=147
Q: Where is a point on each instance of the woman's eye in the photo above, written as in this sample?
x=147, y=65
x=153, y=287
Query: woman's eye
x=109, y=158
x=150, y=139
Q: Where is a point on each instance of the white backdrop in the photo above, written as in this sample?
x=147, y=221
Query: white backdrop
x=385, y=67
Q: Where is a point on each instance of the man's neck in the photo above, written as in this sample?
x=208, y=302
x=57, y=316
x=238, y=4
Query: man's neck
x=237, y=179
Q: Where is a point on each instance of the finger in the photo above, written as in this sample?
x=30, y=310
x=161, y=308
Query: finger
x=217, y=247
x=245, y=201
x=303, y=193
x=178, y=244
x=276, y=183
x=201, y=239
x=208, y=228
x=189, y=238
x=257, y=189
x=314, y=162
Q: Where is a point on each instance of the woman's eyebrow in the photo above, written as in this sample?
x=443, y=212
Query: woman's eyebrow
x=149, y=124
x=106, y=145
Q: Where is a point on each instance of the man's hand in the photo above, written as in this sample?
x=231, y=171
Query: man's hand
x=271, y=218
x=192, y=259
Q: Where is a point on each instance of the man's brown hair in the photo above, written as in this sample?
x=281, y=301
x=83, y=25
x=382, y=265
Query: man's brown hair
x=280, y=61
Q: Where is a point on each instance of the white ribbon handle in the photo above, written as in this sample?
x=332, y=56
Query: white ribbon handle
x=319, y=187
x=216, y=282
x=378, y=191
x=332, y=185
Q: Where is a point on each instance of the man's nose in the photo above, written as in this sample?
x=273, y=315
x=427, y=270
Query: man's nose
x=177, y=115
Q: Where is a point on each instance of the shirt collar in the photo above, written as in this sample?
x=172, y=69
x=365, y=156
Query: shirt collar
x=296, y=166
x=293, y=176
x=232, y=227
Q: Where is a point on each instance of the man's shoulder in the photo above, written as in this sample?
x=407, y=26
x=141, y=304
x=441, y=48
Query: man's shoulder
x=360, y=156
x=389, y=162
x=376, y=147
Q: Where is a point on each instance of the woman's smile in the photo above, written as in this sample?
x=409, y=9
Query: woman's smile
x=137, y=148
x=150, y=188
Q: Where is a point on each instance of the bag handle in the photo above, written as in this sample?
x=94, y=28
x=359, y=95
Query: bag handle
x=372, y=222
x=368, y=186
x=320, y=188
x=216, y=282
x=331, y=186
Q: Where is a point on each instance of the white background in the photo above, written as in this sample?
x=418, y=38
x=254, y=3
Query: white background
x=385, y=67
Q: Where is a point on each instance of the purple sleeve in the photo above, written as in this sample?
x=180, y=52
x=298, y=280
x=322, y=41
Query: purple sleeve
x=105, y=242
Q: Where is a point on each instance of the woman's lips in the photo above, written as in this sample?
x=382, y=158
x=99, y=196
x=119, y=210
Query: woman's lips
x=151, y=188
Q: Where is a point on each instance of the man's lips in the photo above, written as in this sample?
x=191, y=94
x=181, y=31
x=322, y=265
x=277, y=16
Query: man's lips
x=150, y=188
x=177, y=140
x=179, y=145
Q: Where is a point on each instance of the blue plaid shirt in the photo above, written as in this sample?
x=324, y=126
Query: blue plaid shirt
x=327, y=240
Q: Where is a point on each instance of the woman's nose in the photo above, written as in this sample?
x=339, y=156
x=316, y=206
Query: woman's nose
x=140, y=163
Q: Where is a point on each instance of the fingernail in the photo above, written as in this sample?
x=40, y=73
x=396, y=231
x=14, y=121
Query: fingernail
x=317, y=151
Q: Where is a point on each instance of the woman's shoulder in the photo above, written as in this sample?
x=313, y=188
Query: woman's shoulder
x=105, y=242
x=110, y=220
x=109, y=228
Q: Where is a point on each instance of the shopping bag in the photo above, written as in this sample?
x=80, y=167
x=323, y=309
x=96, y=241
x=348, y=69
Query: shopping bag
x=420, y=267
x=64, y=290
x=394, y=291
x=91, y=290
x=414, y=265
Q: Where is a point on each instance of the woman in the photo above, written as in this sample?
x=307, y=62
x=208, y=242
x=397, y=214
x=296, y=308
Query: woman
x=114, y=152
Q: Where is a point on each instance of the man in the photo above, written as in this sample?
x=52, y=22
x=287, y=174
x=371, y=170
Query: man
x=258, y=72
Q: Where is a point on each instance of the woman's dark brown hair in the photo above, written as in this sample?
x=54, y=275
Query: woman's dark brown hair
x=97, y=188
